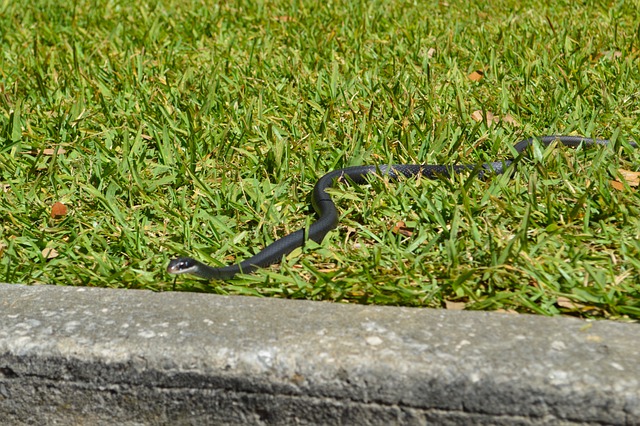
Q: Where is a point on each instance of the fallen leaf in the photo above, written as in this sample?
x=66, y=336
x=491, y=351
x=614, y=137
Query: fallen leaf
x=617, y=185
x=431, y=52
x=507, y=311
x=47, y=151
x=491, y=118
x=478, y=116
x=611, y=54
x=565, y=302
x=476, y=75
x=401, y=228
x=632, y=178
x=510, y=120
x=454, y=306
x=53, y=151
x=49, y=253
x=58, y=210
x=608, y=55
x=284, y=18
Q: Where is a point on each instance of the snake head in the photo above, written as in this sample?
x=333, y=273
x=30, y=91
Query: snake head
x=182, y=265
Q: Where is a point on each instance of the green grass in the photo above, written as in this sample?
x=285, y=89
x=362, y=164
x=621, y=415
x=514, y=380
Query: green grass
x=199, y=128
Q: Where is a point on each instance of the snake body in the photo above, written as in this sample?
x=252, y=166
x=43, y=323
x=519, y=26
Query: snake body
x=328, y=214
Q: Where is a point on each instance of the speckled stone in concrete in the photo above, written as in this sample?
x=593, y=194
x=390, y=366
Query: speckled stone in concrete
x=98, y=356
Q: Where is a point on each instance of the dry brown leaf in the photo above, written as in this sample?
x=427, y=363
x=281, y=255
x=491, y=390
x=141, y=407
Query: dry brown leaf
x=612, y=54
x=507, y=311
x=491, y=118
x=632, y=178
x=401, y=228
x=565, y=302
x=476, y=75
x=431, y=52
x=284, y=18
x=608, y=54
x=477, y=115
x=49, y=253
x=53, y=151
x=47, y=151
x=454, y=306
x=510, y=120
x=617, y=185
x=58, y=210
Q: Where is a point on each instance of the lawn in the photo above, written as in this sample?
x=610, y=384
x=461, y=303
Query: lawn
x=135, y=132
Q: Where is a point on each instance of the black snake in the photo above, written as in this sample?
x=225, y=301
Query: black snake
x=328, y=215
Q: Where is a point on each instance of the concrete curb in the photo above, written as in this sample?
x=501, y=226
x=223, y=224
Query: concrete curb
x=73, y=355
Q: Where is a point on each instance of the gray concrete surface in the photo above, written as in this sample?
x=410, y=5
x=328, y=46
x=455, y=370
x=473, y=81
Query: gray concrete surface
x=99, y=356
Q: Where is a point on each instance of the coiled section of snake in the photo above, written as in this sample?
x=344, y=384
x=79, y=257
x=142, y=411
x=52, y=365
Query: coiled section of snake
x=328, y=214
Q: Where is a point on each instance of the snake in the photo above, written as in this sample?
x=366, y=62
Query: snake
x=327, y=213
